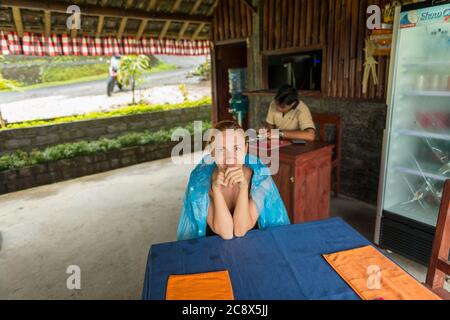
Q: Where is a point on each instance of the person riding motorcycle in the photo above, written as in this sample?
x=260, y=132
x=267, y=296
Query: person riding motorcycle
x=114, y=69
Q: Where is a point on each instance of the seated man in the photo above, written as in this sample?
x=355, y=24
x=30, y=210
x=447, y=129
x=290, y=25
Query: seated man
x=291, y=116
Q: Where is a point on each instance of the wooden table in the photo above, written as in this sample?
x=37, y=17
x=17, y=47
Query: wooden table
x=304, y=180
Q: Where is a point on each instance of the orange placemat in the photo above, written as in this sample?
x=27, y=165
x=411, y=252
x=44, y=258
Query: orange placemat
x=202, y=286
x=374, y=277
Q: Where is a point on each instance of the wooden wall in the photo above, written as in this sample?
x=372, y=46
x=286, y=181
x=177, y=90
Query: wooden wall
x=338, y=27
x=345, y=49
x=294, y=23
x=232, y=20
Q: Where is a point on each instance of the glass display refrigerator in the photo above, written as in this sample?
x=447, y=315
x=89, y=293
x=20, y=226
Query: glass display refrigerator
x=416, y=151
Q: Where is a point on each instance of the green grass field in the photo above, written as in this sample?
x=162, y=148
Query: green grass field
x=57, y=76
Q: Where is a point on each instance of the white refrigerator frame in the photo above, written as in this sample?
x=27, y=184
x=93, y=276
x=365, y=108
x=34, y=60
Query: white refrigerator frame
x=387, y=131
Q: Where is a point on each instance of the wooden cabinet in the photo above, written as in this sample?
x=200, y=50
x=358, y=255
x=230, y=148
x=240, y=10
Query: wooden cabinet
x=304, y=181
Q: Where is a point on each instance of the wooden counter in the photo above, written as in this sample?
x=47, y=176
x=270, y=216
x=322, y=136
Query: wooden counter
x=304, y=180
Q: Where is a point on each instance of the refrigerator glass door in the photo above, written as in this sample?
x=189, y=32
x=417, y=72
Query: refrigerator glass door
x=419, y=149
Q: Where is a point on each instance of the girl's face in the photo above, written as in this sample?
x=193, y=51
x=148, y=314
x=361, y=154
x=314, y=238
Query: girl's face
x=229, y=149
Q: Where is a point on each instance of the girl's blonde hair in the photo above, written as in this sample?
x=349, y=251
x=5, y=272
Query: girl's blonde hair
x=227, y=125
x=223, y=126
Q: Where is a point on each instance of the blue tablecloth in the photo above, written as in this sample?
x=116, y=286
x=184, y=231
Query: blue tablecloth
x=283, y=263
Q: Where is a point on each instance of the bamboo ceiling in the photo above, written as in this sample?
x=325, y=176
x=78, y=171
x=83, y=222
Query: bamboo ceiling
x=170, y=19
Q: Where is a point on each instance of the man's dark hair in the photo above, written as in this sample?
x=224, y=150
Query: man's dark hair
x=287, y=95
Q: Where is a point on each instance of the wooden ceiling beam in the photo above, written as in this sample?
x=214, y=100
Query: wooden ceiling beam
x=100, y=23
x=101, y=20
x=122, y=27
x=124, y=21
x=151, y=5
x=213, y=7
x=164, y=29
x=141, y=29
x=143, y=25
x=202, y=25
x=17, y=16
x=94, y=10
x=250, y=6
x=197, y=31
x=167, y=23
x=47, y=23
x=176, y=5
x=183, y=30
x=196, y=6
x=186, y=24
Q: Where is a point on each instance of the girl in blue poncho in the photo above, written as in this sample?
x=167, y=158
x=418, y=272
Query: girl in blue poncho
x=230, y=192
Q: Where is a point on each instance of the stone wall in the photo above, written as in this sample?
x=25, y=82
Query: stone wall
x=26, y=75
x=41, y=137
x=363, y=126
x=42, y=174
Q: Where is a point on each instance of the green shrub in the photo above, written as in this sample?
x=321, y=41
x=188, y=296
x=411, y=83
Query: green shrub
x=125, y=111
x=8, y=84
x=184, y=91
x=203, y=70
x=20, y=159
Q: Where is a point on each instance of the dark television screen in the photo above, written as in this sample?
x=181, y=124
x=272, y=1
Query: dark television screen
x=302, y=70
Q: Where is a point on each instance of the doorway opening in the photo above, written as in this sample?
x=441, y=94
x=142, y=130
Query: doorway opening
x=227, y=56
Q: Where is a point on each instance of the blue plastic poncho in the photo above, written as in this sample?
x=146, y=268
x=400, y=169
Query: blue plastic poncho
x=264, y=193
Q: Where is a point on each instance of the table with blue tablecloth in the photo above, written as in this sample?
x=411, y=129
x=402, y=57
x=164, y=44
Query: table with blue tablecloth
x=283, y=263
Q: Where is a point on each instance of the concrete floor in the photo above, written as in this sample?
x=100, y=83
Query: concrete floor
x=105, y=224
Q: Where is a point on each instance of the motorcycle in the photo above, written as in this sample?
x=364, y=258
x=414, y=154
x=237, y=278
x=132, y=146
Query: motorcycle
x=112, y=81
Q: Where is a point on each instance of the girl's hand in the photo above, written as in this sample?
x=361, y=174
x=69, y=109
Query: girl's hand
x=219, y=181
x=236, y=176
x=265, y=134
x=268, y=134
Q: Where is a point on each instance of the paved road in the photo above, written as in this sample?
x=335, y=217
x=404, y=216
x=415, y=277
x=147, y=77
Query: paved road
x=97, y=87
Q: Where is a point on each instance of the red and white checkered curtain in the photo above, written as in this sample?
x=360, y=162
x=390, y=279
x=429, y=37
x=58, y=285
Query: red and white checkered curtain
x=57, y=45
x=98, y=47
x=38, y=45
x=4, y=48
x=31, y=45
x=14, y=45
